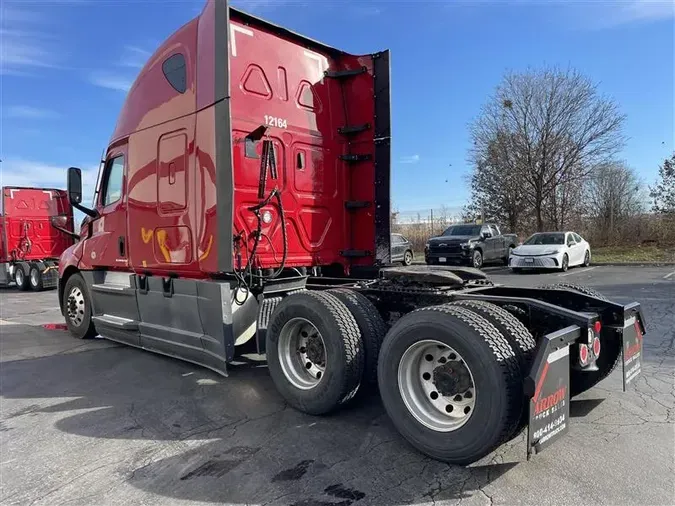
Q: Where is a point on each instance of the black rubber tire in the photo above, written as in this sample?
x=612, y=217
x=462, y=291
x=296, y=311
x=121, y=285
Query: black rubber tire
x=508, y=254
x=21, y=278
x=512, y=329
x=565, y=263
x=587, y=258
x=496, y=373
x=343, y=346
x=86, y=329
x=578, y=288
x=372, y=328
x=34, y=269
x=408, y=259
x=610, y=349
x=477, y=259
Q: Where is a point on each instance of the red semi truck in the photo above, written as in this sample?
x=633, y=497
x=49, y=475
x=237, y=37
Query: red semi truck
x=31, y=239
x=243, y=205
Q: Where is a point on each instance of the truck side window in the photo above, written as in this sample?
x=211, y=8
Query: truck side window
x=112, y=184
x=175, y=72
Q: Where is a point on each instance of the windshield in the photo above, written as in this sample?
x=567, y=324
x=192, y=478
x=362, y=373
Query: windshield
x=463, y=230
x=555, y=238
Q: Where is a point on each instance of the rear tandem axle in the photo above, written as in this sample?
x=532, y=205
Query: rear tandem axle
x=463, y=365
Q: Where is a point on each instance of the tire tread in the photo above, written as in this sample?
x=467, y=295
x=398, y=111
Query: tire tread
x=512, y=328
x=371, y=327
x=504, y=356
x=352, y=345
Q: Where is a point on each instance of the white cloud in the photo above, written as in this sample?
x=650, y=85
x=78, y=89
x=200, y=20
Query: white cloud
x=134, y=57
x=255, y=6
x=112, y=82
x=409, y=159
x=26, y=46
x=28, y=112
x=21, y=172
x=639, y=11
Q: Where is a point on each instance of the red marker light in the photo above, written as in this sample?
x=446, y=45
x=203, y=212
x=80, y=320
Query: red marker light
x=596, y=347
x=583, y=354
x=597, y=327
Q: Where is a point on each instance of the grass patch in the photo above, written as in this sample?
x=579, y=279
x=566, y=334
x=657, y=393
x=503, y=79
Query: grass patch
x=630, y=254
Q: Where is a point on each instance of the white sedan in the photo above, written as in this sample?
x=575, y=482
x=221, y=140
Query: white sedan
x=551, y=250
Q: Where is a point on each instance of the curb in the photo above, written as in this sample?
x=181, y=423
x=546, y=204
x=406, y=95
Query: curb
x=633, y=264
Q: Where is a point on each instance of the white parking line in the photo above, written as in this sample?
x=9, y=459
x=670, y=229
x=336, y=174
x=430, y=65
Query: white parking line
x=669, y=275
x=577, y=272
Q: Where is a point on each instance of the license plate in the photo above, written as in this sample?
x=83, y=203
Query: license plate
x=442, y=259
x=529, y=260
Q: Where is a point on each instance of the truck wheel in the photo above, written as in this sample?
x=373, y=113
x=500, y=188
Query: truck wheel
x=477, y=259
x=314, y=352
x=35, y=278
x=373, y=330
x=520, y=339
x=610, y=349
x=21, y=277
x=77, y=306
x=450, y=383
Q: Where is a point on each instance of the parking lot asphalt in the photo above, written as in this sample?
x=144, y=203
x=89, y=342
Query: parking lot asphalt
x=93, y=422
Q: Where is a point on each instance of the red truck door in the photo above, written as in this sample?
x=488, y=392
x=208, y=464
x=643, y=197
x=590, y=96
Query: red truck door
x=107, y=247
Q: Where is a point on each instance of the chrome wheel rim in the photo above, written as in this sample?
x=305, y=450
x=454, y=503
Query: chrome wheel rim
x=302, y=353
x=34, y=277
x=408, y=258
x=19, y=276
x=75, y=306
x=565, y=263
x=436, y=385
x=477, y=259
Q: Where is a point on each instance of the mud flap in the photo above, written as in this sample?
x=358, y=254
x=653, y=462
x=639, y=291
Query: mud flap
x=548, y=390
x=631, y=346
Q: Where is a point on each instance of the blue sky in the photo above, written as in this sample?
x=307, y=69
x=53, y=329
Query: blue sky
x=66, y=65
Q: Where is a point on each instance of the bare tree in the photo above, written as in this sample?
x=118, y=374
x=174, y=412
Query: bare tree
x=496, y=187
x=545, y=128
x=614, y=195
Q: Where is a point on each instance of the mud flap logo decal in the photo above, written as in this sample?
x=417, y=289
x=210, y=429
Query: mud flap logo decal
x=631, y=350
x=549, y=406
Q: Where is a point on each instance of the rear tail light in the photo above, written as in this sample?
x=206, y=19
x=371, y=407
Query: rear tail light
x=596, y=347
x=583, y=354
x=597, y=326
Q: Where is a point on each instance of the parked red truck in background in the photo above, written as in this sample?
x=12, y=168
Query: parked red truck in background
x=243, y=205
x=31, y=239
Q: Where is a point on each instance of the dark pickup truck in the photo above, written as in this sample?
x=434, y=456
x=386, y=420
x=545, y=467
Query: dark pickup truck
x=471, y=244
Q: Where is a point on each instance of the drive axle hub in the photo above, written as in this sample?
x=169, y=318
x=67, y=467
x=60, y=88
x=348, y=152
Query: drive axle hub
x=452, y=378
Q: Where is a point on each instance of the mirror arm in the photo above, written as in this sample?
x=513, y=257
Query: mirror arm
x=66, y=231
x=93, y=213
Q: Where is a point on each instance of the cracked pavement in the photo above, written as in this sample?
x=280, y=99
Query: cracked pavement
x=99, y=423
